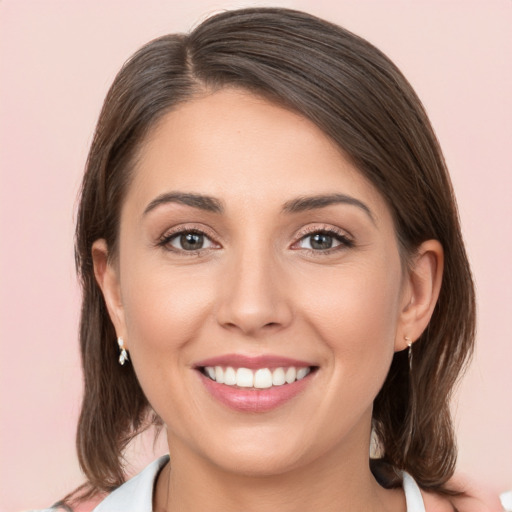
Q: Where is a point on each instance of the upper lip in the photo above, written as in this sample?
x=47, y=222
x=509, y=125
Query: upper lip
x=252, y=362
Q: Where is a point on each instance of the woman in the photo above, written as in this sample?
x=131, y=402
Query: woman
x=272, y=269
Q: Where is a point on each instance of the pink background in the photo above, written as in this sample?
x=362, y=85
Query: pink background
x=57, y=59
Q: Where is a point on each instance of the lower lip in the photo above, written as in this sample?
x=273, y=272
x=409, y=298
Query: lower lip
x=254, y=400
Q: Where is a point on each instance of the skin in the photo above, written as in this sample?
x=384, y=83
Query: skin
x=474, y=497
x=257, y=287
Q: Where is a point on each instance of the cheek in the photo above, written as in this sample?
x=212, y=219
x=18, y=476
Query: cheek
x=356, y=314
x=164, y=309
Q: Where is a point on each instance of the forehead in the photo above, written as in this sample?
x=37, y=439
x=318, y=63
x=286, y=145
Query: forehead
x=242, y=148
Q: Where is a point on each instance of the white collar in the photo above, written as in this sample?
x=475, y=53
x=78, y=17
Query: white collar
x=136, y=495
x=412, y=492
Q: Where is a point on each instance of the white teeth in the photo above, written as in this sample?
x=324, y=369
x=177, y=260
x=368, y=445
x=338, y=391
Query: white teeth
x=291, y=374
x=244, y=378
x=302, y=372
x=219, y=375
x=229, y=376
x=278, y=377
x=263, y=378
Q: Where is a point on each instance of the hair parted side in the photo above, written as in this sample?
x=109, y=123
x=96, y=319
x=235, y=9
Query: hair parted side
x=357, y=96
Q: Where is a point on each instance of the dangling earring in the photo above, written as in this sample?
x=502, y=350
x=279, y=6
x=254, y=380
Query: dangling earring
x=123, y=355
x=412, y=398
x=409, y=344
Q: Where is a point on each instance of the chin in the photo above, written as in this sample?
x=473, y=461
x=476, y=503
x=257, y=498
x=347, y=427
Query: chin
x=251, y=452
x=259, y=463
x=258, y=454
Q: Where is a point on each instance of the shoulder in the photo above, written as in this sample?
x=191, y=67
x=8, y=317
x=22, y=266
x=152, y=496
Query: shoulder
x=469, y=496
x=53, y=508
x=479, y=501
x=56, y=507
x=135, y=495
x=437, y=503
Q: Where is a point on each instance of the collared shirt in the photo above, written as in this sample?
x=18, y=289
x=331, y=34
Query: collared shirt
x=136, y=495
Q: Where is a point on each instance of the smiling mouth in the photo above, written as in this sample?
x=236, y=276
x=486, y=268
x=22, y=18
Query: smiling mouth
x=260, y=378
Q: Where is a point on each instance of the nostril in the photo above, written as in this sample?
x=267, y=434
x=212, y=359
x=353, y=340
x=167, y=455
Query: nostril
x=253, y=314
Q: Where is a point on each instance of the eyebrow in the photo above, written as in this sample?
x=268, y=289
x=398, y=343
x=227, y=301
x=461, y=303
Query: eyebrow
x=207, y=203
x=300, y=204
x=307, y=203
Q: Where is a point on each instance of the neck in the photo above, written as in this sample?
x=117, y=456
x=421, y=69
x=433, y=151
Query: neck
x=335, y=482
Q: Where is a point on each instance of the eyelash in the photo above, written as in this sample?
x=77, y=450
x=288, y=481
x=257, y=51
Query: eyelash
x=345, y=242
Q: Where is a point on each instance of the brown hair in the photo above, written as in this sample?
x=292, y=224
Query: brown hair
x=359, y=98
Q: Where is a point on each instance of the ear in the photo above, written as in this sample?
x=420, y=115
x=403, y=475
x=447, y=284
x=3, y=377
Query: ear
x=107, y=277
x=422, y=285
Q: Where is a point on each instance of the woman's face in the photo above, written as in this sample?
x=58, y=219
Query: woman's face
x=252, y=251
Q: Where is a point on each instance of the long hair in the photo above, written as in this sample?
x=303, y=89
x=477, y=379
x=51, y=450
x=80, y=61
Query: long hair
x=359, y=99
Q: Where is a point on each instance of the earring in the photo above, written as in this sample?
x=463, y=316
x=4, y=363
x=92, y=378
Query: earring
x=123, y=354
x=409, y=344
x=412, y=399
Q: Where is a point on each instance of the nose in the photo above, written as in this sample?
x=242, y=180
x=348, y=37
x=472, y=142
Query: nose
x=254, y=298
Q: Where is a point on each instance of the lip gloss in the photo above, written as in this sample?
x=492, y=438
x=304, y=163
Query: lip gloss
x=251, y=399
